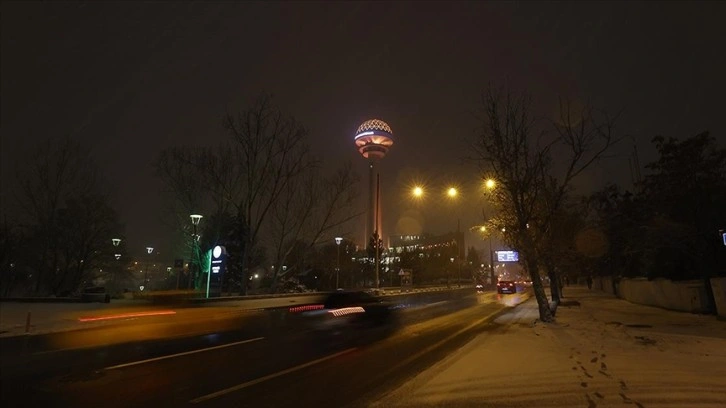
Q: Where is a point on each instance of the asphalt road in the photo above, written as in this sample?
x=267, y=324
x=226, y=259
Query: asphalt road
x=269, y=359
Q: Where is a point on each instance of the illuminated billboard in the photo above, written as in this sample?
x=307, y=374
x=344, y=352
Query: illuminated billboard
x=507, y=256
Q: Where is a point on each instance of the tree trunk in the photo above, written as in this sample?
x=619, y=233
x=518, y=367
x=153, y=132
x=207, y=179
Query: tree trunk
x=545, y=313
x=554, y=283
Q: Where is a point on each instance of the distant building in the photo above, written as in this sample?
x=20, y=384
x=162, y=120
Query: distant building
x=429, y=244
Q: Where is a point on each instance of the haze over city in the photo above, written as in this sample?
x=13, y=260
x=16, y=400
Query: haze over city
x=132, y=80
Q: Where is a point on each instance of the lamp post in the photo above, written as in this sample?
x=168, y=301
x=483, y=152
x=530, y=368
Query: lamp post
x=115, y=242
x=452, y=193
x=195, y=238
x=490, y=184
x=448, y=285
x=483, y=230
x=149, y=250
x=338, y=240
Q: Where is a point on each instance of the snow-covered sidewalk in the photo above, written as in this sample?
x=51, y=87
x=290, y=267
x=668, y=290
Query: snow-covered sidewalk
x=601, y=352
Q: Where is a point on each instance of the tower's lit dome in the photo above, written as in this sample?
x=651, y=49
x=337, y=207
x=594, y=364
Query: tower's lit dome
x=373, y=138
x=374, y=124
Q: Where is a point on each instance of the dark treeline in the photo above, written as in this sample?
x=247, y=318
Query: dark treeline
x=264, y=195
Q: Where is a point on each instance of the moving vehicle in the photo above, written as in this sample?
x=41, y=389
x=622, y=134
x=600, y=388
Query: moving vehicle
x=348, y=315
x=506, y=287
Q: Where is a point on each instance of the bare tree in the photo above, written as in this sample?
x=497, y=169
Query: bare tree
x=310, y=209
x=515, y=149
x=66, y=214
x=267, y=179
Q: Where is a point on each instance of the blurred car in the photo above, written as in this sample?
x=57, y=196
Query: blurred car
x=479, y=288
x=506, y=287
x=348, y=315
x=95, y=294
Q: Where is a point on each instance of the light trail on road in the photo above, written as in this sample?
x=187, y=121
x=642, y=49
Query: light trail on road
x=126, y=315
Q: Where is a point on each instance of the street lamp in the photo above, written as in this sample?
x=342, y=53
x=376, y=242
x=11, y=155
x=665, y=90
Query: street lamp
x=490, y=184
x=149, y=251
x=338, y=240
x=447, y=275
x=483, y=229
x=452, y=193
x=195, y=238
x=115, y=242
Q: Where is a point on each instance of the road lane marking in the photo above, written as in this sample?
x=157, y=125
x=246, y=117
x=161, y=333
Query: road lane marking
x=183, y=354
x=417, y=308
x=267, y=377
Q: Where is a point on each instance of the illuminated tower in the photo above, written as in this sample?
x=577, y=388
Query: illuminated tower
x=373, y=138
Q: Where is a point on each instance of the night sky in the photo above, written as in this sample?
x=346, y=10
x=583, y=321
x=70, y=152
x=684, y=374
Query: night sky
x=130, y=79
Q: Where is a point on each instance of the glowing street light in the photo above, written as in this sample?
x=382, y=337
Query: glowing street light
x=490, y=184
x=483, y=230
x=196, y=218
x=149, y=250
x=338, y=240
x=449, y=273
x=195, y=238
x=452, y=193
x=115, y=242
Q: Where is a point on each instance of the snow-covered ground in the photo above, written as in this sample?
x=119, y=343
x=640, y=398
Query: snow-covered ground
x=601, y=352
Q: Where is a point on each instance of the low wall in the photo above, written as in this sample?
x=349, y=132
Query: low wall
x=685, y=296
x=719, y=295
x=604, y=283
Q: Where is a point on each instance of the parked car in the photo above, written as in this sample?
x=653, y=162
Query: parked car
x=95, y=294
x=506, y=287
